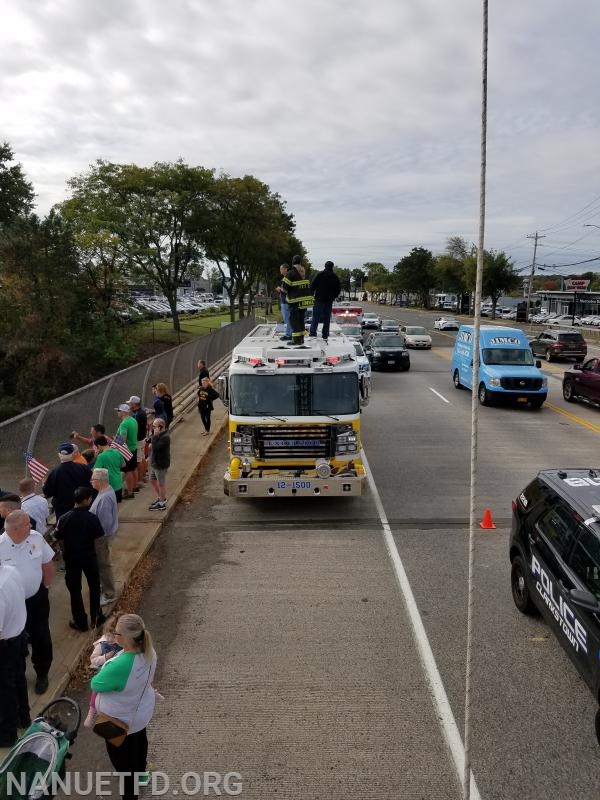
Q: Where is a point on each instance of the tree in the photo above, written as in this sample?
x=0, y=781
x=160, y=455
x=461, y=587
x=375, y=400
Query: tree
x=416, y=273
x=16, y=192
x=498, y=277
x=246, y=225
x=157, y=215
x=378, y=279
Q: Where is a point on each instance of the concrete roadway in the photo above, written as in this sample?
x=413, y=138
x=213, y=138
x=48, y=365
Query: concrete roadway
x=286, y=649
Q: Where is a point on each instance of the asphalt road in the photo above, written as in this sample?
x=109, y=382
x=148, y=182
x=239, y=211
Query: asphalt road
x=286, y=649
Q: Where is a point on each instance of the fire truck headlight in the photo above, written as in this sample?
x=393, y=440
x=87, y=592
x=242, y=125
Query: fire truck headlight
x=241, y=442
x=347, y=441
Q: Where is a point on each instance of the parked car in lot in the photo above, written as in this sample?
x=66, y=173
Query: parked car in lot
x=387, y=351
x=564, y=320
x=555, y=564
x=390, y=326
x=446, y=324
x=371, y=320
x=555, y=344
x=582, y=382
x=416, y=336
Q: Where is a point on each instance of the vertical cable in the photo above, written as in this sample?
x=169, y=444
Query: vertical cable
x=474, y=408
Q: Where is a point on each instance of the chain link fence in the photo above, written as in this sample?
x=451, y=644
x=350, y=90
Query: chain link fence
x=42, y=429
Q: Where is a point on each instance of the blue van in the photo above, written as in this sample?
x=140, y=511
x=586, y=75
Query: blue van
x=507, y=371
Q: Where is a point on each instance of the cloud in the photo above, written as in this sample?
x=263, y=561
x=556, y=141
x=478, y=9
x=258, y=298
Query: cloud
x=364, y=117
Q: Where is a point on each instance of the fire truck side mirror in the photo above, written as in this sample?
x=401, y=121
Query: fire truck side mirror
x=365, y=390
x=223, y=388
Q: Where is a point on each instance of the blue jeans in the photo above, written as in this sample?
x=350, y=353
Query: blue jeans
x=285, y=313
x=321, y=313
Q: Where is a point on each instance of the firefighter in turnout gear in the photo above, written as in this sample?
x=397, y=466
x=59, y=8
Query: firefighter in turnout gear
x=297, y=290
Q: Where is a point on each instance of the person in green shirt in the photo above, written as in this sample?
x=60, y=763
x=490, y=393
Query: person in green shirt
x=110, y=459
x=127, y=433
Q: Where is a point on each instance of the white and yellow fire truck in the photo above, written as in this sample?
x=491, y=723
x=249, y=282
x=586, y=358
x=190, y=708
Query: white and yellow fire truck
x=294, y=416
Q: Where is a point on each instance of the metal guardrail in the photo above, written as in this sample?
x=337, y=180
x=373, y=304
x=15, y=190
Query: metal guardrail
x=40, y=430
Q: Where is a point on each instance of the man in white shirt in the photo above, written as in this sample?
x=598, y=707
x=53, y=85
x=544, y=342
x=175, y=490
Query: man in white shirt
x=27, y=550
x=14, y=702
x=35, y=505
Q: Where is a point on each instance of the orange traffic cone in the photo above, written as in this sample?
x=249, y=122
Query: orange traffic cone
x=487, y=523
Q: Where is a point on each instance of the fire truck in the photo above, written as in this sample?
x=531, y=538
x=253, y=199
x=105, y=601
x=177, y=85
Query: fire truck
x=294, y=416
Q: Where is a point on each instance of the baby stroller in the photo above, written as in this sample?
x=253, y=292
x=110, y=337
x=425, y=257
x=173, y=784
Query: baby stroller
x=27, y=771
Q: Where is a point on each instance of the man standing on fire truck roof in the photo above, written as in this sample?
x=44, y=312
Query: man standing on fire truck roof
x=297, y=290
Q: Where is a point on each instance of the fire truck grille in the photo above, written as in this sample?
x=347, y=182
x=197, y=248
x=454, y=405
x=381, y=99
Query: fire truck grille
x=306, y=441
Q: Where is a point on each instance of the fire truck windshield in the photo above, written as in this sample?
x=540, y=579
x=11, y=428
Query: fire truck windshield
x=294, y=394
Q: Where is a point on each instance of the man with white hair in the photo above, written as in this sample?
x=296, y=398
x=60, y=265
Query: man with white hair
x=26, y=550
x=106, y=509
x=62, y=481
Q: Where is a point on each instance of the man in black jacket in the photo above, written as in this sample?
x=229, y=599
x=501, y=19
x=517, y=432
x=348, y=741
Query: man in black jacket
x=325, y=287
x=77, y=531
x=62, y=481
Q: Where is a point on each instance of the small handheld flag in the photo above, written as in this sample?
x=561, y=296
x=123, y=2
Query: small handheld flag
x=123, y=449
x=36, y=469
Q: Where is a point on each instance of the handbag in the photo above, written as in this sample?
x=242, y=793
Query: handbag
x=111, y=729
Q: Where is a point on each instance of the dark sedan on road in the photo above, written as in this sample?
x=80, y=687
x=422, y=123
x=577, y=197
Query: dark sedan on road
x=582, y=382
x=387, y=351
x=554, y=344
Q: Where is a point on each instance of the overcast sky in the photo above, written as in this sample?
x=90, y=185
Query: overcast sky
x=363, y=115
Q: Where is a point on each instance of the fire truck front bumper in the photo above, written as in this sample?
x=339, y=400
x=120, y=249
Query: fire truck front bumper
x=285, y=486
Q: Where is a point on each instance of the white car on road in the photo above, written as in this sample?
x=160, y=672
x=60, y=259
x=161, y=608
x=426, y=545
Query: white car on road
x=364, y=365
x=446, y=324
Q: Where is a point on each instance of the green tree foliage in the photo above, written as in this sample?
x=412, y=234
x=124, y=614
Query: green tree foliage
x=415, y=273
x=379, y=280
x=450, y=273
x=16, y=192
x=247, y=234
x=499, y=276
x=52, y=340
x=155, y=218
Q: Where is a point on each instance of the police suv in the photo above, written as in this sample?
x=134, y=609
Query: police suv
x=555, y=562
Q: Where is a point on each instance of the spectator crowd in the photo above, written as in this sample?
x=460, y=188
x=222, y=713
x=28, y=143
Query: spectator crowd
x=81, y=496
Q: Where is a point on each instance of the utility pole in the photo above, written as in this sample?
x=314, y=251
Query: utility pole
x=535, y=236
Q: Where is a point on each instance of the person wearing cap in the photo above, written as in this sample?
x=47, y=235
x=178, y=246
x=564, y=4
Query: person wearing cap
x=14, y=701
x=325, y=287
x=77, y=531
x=12, y=502
x=139, y=415
x=26, y=550
x=63, y=479
x=105, y=508
x=127, y=433
x=297, y=291
x=113, y=460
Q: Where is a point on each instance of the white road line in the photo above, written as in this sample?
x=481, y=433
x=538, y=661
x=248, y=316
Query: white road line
x=439, y=696
x=441, y=396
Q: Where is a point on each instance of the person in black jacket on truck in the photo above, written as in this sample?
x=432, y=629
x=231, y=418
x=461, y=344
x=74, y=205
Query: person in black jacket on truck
x=325, y=287
x=298, y=296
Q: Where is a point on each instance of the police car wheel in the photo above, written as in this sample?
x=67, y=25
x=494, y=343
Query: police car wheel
x=568, y=391
x=518, y=584
x=456, y=380
x=483, y=395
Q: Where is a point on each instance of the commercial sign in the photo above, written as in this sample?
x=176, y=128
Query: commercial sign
x=576, y=284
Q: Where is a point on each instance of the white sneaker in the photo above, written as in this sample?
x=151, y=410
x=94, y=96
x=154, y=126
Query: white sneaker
x=90, y=719
x=104, y=600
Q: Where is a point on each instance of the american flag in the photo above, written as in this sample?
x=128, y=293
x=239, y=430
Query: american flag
x=37, y=470
x=123, y=449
